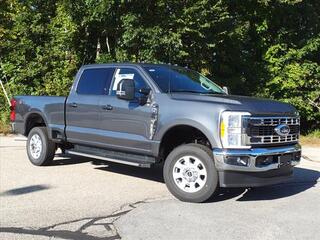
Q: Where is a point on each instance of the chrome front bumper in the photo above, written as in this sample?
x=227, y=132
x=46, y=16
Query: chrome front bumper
x=220, y=156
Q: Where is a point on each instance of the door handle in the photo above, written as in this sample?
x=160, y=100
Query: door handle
x=107, y=107
x=74, y=105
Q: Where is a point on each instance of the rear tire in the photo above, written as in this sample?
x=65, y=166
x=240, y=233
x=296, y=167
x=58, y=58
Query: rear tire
x=40, y=148
x=190, y=173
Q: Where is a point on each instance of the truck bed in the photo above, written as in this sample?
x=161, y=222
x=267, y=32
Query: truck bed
x=51, y=108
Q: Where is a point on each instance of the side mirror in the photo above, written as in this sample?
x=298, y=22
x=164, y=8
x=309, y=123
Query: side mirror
x=125, y=89
x=144, y=91
x=225, y=89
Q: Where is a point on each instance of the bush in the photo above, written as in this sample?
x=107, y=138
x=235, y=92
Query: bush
x=295, y=78
x=314, y=134
x=4, y=114
x=4, y=121
x=312, y=138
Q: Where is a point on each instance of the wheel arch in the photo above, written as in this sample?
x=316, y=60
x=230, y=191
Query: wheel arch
x=183, y=129
x=34, y=119
x=186, y=122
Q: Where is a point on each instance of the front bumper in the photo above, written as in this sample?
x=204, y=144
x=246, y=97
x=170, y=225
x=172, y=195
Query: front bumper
x=262, y=166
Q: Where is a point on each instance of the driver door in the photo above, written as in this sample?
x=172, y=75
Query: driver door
x=126, y=124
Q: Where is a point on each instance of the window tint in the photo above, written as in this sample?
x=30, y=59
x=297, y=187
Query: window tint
x=178, y=79
x=95, y=81
x=128, y=73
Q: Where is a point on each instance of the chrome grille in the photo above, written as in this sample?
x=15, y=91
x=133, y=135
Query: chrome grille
x=272, y=121
x=261, y=130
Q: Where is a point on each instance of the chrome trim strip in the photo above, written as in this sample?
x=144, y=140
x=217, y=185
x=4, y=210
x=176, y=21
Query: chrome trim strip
x=220, y=154
x=274, y=121
x=277, y=136
x=274, y=139
x=145, y=165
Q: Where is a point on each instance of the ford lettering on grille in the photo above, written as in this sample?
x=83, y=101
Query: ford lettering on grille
x=282, y=130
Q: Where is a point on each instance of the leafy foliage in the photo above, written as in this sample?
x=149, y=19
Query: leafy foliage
x=295, y=77
x=264, y=48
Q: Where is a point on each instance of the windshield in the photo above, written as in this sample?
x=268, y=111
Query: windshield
x=178, y=79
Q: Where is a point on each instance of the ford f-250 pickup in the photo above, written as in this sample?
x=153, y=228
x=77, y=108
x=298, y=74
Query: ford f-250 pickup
x=143, y=114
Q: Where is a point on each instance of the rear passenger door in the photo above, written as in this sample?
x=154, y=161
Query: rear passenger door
x=82, y=107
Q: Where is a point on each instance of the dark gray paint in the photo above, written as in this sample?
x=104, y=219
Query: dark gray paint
x=50, y=108
x=126, y=126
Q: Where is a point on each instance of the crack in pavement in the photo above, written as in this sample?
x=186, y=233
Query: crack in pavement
x=109, y=230
x=309, y=159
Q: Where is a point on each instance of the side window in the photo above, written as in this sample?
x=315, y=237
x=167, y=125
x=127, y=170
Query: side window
x=128, y=73
x=95, y=81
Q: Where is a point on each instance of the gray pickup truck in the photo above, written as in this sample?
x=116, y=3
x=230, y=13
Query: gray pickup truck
x=144, y=114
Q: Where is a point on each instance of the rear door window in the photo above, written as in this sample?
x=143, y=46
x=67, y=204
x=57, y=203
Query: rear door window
x=95, y=81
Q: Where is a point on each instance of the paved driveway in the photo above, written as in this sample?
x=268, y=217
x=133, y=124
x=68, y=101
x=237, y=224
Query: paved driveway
x=82, y=199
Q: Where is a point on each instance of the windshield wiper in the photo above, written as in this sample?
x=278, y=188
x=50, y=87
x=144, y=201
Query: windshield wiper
x=210, y=93
x=186, y=90
x=193, y=91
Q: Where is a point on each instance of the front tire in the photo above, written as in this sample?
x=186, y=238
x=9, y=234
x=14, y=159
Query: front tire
x=190, y=173
x=40, y=148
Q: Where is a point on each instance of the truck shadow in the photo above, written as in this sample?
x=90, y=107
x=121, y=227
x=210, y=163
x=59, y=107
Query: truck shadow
x=152, y=174
x=303, y=180
x=64, y=159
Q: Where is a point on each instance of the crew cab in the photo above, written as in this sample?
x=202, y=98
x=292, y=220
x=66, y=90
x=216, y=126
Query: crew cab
x=145, y=114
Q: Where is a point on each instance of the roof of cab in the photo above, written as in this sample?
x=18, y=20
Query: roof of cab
x=125, y=64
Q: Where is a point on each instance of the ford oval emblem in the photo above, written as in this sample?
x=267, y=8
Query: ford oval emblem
x=282, y=130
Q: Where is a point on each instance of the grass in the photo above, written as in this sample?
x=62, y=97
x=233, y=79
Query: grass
x=312, y=138
x=5, y=127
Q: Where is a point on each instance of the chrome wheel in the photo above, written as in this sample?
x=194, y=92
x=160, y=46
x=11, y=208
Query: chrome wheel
x=35, y=146
x=189, y=174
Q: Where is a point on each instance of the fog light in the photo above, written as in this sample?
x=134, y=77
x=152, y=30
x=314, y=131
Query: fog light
x=238, y=161
x=266, y=160
x=297, y=156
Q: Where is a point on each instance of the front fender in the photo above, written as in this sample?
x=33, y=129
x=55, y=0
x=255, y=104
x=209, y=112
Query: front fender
x=187, y=122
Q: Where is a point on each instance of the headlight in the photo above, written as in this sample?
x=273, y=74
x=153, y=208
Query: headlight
x=231, y=129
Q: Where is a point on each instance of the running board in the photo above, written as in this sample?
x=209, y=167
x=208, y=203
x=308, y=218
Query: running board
x=136, y=164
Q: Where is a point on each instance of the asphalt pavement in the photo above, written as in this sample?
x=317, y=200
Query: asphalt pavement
x=81, y=198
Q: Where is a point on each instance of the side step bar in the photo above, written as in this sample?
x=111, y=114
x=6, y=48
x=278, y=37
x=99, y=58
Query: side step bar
x=137, y=164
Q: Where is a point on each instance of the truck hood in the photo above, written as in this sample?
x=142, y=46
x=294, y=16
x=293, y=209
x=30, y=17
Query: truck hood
x=256, y=106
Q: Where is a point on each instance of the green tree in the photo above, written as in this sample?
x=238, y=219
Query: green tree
x=23, y=64
x=295, y=78
x=257, y=47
